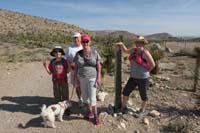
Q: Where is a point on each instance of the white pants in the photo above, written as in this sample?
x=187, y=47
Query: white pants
x=88, y=90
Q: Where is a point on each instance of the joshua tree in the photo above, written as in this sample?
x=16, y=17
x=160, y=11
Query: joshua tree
x=196, y=71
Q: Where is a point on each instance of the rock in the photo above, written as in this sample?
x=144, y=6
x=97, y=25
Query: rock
x=154, y=113
x=123, y=125
x=137, y=109
x=101, y=96
x=168, y=50
x=114, y=115
x=162, y=78
x=146, y=121
x=137, y=131
x=103, y=115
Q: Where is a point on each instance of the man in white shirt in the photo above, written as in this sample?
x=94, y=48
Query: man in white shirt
x=69, y=55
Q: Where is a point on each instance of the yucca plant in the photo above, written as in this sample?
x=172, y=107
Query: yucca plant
x=196, y=71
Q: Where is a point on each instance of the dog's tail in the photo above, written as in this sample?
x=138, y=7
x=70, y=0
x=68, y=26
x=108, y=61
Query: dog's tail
x=43, y=110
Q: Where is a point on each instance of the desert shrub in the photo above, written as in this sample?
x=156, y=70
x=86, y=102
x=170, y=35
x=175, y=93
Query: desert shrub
x=185, y=52
x=156, y=54
x=197, y=52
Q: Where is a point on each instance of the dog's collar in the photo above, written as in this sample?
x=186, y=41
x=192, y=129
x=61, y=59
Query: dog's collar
x=62, y=106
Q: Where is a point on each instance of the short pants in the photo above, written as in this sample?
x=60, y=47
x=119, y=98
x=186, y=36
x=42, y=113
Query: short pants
x=143, y=85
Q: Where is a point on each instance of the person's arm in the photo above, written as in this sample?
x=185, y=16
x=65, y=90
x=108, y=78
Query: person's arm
x=149, y=59
x=69, y=58
x=46, y=66
x=76, y=70
x=124, y=48
x=68, y=66
x=98, y=80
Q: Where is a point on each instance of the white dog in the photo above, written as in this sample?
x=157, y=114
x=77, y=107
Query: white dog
x=48, y=113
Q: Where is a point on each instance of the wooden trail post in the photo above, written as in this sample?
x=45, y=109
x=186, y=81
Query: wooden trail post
x=118, y=78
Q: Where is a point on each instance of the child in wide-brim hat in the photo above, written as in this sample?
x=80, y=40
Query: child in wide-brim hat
x=59, y=68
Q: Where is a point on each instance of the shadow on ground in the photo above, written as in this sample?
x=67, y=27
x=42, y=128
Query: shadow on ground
x=32, y=105
x=26, y=104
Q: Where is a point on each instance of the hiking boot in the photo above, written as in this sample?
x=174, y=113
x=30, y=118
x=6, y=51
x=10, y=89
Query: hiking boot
x=96, y=120
x=80, y=103
x=90, y=115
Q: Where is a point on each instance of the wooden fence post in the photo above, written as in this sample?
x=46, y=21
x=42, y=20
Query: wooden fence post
x=196, y=71
x=118, y=78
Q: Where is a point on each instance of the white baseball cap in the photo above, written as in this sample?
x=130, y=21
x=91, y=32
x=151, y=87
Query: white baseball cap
x=76, y=34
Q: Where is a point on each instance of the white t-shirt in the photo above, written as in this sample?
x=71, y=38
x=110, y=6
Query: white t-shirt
x=71, y=51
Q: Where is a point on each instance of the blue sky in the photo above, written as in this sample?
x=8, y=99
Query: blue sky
x=177, y=17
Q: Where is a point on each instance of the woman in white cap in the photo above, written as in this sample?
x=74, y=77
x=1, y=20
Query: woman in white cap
x=69, y=55
x=141, y=65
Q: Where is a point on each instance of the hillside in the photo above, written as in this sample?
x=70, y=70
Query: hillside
x=20, y=23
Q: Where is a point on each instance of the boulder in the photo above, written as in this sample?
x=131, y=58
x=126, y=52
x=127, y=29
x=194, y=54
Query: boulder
x=154, y=113
x=146, y=121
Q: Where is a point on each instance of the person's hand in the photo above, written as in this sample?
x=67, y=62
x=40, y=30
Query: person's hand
x=44, y=63
x=119, y=43
x=98, y=82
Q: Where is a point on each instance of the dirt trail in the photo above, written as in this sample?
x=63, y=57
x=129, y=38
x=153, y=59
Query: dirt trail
x=24, y=87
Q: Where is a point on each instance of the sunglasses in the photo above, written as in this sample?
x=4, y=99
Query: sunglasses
x=85, y=41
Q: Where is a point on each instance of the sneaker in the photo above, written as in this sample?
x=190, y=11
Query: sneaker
x=142, y=114
x=96, y=120
x=90, y=115
x=124, y=110
x=80, y=103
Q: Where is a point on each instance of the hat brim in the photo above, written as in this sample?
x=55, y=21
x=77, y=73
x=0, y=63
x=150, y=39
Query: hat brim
x=76, y=36
x=143, y=41
x=52, y=53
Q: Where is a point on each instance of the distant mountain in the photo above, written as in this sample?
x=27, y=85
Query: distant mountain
x=116, y=34
x=159, y=36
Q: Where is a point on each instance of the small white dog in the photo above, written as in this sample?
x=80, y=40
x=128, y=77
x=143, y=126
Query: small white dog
x=48, y=113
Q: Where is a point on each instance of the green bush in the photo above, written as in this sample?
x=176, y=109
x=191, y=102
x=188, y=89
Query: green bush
x=157, y=54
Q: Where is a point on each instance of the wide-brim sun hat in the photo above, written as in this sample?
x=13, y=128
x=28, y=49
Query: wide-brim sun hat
x=85, y=38
x=76, y=34
x=141, y=39
x=52, y=53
